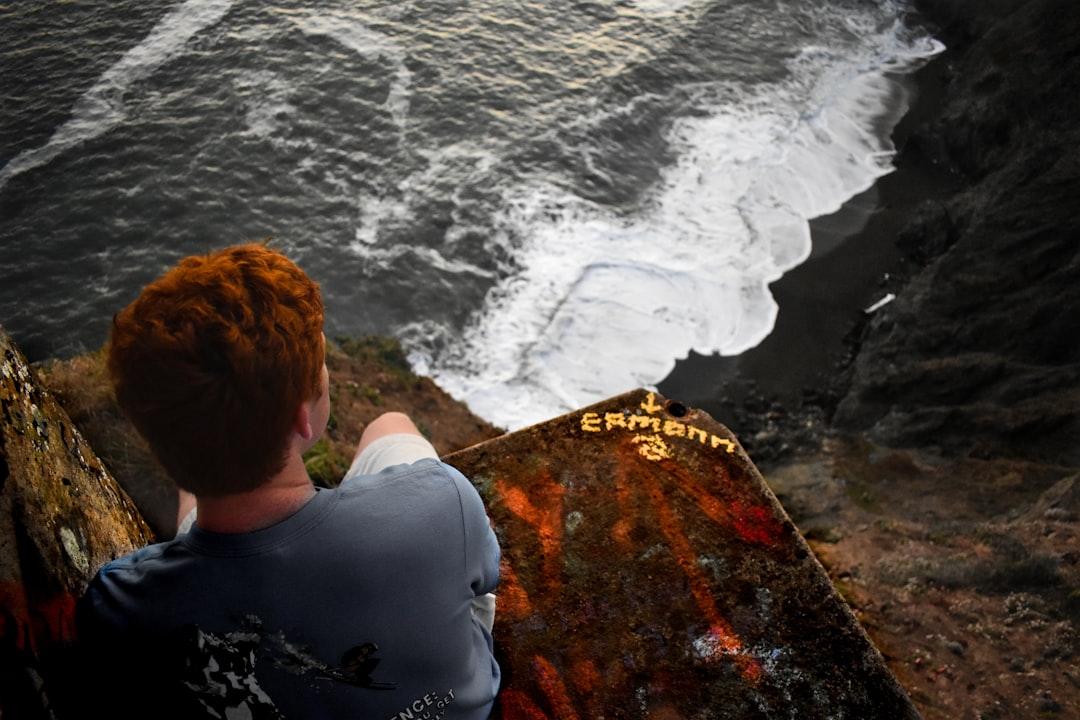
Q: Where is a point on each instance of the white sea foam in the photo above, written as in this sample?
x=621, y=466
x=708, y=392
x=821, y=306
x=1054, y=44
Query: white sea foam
x=385, y=257
x=355, y=35
x=465, y=161
x=602, y=304
x=104, y=105
x=659, y=7
x=267, y=102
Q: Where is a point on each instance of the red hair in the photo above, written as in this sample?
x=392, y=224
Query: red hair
x=212, y=361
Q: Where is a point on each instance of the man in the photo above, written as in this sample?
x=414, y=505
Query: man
x=283, y=600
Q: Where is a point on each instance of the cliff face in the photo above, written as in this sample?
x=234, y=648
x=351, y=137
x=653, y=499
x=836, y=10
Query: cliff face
x=980, y=353
x=945, y=500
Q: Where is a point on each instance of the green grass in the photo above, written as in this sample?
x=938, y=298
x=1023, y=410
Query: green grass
x=324, y=465
x=384, y=351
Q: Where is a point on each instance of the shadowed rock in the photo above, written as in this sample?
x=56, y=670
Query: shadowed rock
x=62, y=516
x=648, y=572
x=979, y=356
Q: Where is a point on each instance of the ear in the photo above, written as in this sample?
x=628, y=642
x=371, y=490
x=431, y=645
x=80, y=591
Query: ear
x=302, y=422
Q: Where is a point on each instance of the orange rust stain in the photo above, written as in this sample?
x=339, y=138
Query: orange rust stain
x=723, y=637
x=750, y=667
x=513, y=600
x=544, y=512
x=591, y=685
x=516, y=705
x=624, y=495
x=554, y=689
x=586, y=677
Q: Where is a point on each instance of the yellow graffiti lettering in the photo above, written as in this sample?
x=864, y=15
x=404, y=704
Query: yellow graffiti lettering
x=674, y=428
x=652, y=447
x=643, y=421
x=650, y=405
x=614, y=420
x=590, y=422
x=718, y=441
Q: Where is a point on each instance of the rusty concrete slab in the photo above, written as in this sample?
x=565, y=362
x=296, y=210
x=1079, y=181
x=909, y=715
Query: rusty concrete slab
x=649, y=572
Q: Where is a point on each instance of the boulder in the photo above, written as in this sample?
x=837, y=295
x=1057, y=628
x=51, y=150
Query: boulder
x=62, y=516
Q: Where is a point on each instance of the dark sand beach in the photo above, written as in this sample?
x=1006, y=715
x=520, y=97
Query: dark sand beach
x=854, y=263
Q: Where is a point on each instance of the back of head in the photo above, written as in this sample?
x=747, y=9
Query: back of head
x=212, y=361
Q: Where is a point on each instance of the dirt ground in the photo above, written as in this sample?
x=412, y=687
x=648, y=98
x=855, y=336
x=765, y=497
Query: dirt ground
x=964, y=574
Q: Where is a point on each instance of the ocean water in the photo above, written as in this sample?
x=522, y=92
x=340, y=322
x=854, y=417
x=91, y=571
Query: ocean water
x=548, y=202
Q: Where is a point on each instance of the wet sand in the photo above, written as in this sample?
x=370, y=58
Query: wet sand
x=854, y=264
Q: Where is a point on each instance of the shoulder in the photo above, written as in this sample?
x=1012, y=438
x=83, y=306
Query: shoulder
x=427, y=473
x=453, y=481
x=111, y=586
x=425, y=486
x=137, y=561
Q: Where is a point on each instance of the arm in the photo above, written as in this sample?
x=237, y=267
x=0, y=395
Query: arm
x=482, y=551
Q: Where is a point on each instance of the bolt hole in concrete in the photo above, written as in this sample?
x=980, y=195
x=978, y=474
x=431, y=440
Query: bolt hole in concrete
x=677, y=409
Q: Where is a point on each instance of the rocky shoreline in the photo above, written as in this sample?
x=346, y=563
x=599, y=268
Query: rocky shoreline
x=976, y=235
x=782, y=394
x=934, y=463
x=980, y=353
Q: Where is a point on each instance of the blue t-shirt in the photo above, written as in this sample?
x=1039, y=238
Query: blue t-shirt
x=356, y=606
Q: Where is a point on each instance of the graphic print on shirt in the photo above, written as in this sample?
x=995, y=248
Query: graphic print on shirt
x=221, y=675
x=429, y=707
x=220, y=669
x=357, y=663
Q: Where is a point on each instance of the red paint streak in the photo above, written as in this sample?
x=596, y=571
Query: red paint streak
x=31, y=624
x=725, y=639
x=545, y=515
x=754, y=524
x=553, y=688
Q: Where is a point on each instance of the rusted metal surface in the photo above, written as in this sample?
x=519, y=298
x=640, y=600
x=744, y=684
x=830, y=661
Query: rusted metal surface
x=649, y=572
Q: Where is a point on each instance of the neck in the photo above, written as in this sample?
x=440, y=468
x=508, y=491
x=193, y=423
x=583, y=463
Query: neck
x=266, y=505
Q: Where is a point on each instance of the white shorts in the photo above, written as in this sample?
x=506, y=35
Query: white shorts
x=390, y=450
